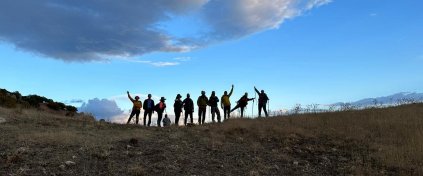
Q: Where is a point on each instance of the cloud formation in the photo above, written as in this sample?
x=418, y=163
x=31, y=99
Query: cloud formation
x=101, y=108
x=83, y=30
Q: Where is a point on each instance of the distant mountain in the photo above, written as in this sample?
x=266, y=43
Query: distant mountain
x=399, y=98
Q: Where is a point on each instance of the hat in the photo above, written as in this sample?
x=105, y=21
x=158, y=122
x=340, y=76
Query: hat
x=178, y=96
x=162, y=99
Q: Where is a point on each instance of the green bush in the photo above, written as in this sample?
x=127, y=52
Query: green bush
x=35, y=100
x=54, y=106
x=71, y=108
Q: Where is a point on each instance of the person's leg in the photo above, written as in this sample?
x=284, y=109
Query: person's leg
x=242, y=112
x=265, y=110
x=204, y=115
x=259, y=109
x=229, y=111
x=150, y=113
x=224, y=112
x=186, y=117
x=236, y=107
x=199, y=115
x=218, y=115
x=190, y=116
x=177, y=115
x=159, y=119
x=138, y=116
x=145, y=117
x=213, y=112
x=130, y=117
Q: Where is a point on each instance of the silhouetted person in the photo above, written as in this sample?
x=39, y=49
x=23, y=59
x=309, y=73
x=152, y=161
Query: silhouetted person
x=226, y=103
x=160, y=108
x=262, y=102
x=177, y=108
x=136, y=108
x=189, y=108
x=213, y=102
x=242, y=103
x=166, y=121
x=148, y=109
x=202, y=107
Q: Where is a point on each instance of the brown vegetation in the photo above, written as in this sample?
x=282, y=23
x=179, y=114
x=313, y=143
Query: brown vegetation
x=371, y=142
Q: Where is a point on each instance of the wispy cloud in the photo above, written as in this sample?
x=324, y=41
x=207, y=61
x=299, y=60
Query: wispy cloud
x=153, y=63
x=74, y=101
x=171, y=62
x=182, y=59
x=164, y=64
x=373, y=14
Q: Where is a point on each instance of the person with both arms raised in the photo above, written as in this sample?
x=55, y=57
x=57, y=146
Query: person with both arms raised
x=177, y=108
x=202, y=107
x=136, y=109
x=148, y=109
x=213, y=102
x=189, y=109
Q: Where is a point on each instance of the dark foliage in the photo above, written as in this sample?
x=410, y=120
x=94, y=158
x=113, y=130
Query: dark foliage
x=36, y=100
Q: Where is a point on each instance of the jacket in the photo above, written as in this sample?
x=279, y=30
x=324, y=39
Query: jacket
x=225, y=98
x=177, y=106
x=148, y=106
x=202, y=101
x=188, y=105
x=213, y=101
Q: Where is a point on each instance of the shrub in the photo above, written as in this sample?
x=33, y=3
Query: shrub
x=35, y=100
x=71, y=108
x=54, y=106
x=7, y=101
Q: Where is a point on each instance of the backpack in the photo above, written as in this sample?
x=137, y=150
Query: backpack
x=202, y=101
x=157, y=108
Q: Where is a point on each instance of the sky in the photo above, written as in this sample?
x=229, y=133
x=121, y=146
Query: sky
x=89, y=53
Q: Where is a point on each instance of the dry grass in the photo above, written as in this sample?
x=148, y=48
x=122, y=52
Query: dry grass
x=370, y=142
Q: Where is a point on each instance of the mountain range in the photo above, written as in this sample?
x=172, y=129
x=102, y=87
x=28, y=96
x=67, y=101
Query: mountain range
x=398, y=98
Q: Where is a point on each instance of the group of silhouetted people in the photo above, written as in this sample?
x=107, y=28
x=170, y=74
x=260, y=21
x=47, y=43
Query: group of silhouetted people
x=187, y=105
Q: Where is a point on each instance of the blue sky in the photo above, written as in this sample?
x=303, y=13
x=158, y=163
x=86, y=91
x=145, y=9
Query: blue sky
x=334, y=51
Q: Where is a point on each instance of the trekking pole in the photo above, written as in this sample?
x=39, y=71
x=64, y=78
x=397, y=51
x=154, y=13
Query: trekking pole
x=268, y=107
x=255, y=96
x=252, y=109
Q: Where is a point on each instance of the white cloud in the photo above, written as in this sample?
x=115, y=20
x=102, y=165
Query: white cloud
x=182, y=59
x=89, y=30
x=239, y=18
x=315, y=3
x=101, y=108
x=153, y=63
x=164, y=64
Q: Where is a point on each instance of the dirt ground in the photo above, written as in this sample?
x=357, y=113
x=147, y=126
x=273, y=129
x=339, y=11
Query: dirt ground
x=35, y=143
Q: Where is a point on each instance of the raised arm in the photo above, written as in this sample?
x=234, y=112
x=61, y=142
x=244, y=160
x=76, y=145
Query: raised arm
x=129, y=96
x=232, y=90
x=256, y=90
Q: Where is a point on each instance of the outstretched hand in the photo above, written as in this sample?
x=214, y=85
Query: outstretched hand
x=127, y=92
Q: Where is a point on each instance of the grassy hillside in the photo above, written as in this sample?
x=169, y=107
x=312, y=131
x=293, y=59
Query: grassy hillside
x=371, y=142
